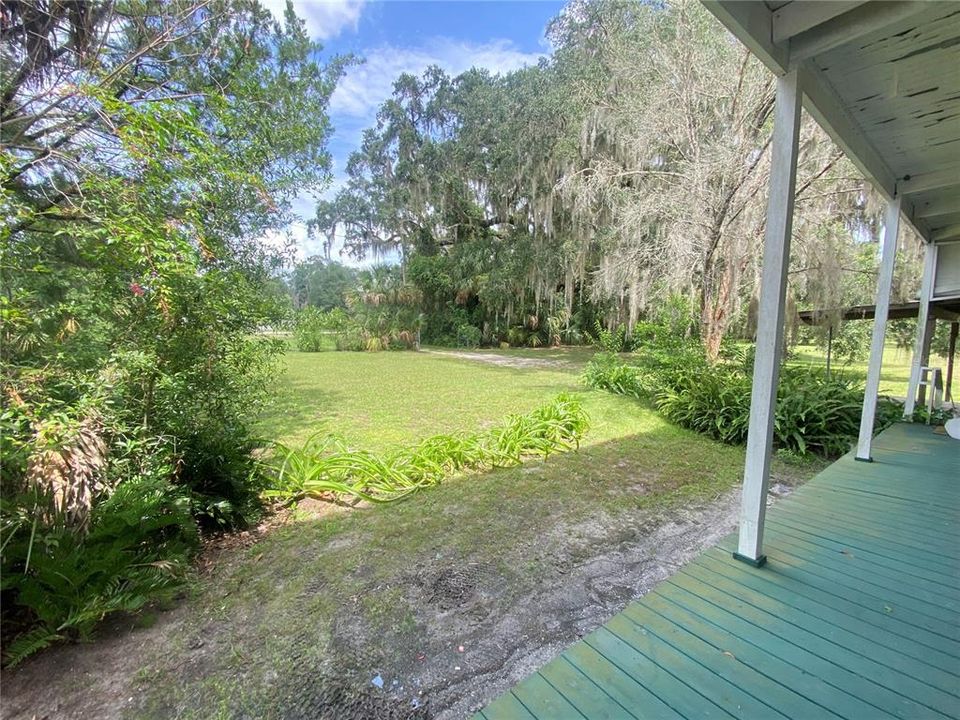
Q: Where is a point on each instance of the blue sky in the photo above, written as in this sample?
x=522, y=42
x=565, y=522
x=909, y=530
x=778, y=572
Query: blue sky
x=404, y=36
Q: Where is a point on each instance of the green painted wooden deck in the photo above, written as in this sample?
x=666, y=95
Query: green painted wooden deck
x=856, y=615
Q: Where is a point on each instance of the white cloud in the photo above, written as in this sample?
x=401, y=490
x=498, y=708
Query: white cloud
x=364, y=87
x=324, y=18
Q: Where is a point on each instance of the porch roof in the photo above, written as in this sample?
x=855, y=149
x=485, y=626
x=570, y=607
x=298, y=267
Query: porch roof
x=948, y=310
x=883, y=80
x=855, y=615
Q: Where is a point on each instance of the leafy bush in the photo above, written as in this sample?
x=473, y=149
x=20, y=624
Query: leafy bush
x=609, y=341
x=715, y=404
x=815, y=413
x=315, y=330
x=130, y=353
x=849, y=340
x=654, y=369
x=606, y=371
x=468, y=336
x=517, y=336
x=325, y=468
x=64, y=582
x=309, y=330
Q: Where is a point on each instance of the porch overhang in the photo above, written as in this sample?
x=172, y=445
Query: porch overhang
x=883, y=80
x=948, y=310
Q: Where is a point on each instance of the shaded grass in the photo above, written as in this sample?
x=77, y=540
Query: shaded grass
x=376, y=401
x=631, y=455
x=894, y=372
x=570, y=354
x=343, y=588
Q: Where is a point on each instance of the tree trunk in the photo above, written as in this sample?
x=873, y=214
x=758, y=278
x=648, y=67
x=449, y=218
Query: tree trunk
x=716, y=314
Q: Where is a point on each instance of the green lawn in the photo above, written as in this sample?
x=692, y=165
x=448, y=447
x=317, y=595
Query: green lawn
x=355, y=590
x=894, y=373
x=378, y=400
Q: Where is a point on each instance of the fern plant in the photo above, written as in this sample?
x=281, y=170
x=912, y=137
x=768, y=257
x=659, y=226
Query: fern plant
x=64, y=583
x=325, y=468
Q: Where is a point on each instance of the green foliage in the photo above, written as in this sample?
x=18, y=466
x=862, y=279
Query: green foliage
x=321, y=284
x=921, y=415
x=64, y=583
x=815, y=413
x=716, y=404
x=850, y=342
x=325, y=468
x=469, y=336
x=609, y=341
x=607, y=372
x=135, y=287
x=903, y=332
x=384, y=312
x=314, y=329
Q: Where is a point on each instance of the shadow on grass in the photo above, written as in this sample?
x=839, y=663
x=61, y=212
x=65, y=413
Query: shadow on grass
x=475, y=561
x=297, y=406
x=297, y=624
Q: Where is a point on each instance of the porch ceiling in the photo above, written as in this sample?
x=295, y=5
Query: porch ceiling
x=883, y=79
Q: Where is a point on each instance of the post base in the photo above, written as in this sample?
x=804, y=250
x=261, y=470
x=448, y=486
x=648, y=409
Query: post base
x=759, y=562
x=860, y=459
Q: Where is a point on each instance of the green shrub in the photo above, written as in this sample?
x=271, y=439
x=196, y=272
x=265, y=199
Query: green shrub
x=63, y=582
x=310, y=330
x=323, y=467
x=469, y=336
x=606, y=371
x=815, y=413
x=609, y=341
x=350, y=341
x=517, y=336
x=715, y=404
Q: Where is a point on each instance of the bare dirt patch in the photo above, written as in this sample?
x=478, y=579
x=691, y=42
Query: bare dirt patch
x=511, y=361
x=439, y=638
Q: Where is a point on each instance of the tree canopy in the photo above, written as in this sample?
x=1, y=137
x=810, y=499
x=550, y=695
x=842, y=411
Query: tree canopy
x=627, y=170
x=145, y=148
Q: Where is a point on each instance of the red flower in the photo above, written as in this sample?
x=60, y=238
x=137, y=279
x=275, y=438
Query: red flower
x=136, y=289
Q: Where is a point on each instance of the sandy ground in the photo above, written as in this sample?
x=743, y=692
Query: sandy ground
x=474, y=636
x=506, y=361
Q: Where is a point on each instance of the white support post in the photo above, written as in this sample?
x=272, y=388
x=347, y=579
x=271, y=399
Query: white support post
x=773, y=285
x=891, y=225
x=926, y=292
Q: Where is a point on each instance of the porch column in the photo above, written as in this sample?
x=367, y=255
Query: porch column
x=891, y=225
x=951, y=351
x=773, y=285
x=923, y=328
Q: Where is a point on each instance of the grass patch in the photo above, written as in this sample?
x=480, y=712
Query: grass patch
x=894, y=373
x=359, y=589
x=378, y=401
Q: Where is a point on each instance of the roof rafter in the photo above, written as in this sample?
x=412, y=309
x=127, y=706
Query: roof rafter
x=795, y=18
x=950, y=232
x=825, y=107
x=946, y=178
x=849, y=26
x=937, y=207
x=752, y=24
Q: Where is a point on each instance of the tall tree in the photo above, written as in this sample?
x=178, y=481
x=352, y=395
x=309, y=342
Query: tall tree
x=627, y=170
x=146, y=147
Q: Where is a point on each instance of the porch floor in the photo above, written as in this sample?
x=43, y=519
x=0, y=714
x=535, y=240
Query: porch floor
x=855, y=615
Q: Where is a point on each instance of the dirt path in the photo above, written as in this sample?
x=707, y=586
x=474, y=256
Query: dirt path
x=506, y=361
x=473, y=635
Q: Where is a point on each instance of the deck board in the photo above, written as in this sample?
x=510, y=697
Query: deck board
x=857, y=613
